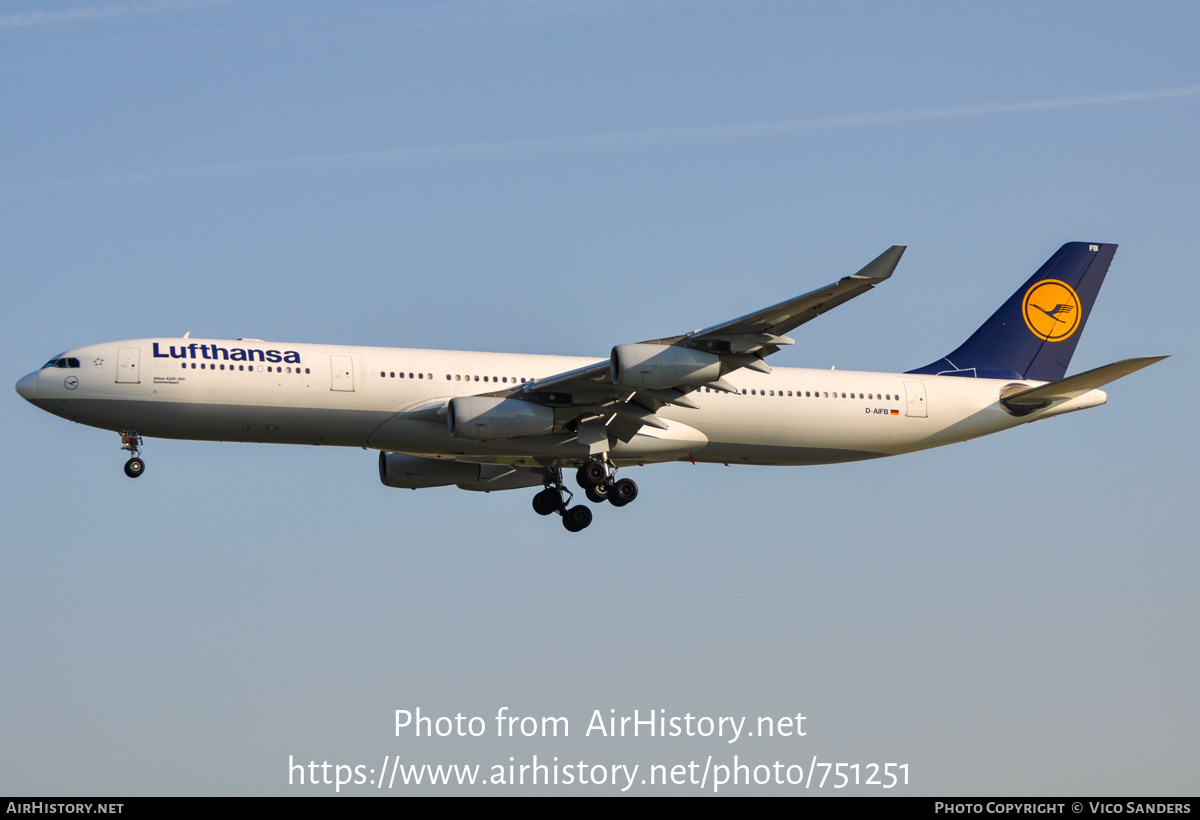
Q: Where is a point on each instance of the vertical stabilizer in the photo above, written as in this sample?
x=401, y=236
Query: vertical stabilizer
x=1033, y=334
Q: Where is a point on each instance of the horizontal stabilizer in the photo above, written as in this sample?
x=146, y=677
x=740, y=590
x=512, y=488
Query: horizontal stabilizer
x=1077, y=385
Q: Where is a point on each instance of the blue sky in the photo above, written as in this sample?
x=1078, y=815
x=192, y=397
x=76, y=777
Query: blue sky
x=1015, y=615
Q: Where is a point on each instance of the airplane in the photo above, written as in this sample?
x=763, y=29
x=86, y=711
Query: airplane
x=497, y=421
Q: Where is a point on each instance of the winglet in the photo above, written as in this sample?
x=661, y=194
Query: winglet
x=882, y=266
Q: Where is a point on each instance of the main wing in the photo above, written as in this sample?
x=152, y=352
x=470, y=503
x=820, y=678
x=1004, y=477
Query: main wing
x=619, y=396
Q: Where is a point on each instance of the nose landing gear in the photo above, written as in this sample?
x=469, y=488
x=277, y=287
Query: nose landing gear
x=132, y=442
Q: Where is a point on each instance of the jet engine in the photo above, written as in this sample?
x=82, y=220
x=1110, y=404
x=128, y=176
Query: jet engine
x=658, y=366
x=416, y=472
x=492, y=418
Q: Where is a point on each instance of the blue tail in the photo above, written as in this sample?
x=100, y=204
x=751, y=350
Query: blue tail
x=1034, y=333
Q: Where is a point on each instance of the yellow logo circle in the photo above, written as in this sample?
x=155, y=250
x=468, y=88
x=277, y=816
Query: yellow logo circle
x=1051, y=310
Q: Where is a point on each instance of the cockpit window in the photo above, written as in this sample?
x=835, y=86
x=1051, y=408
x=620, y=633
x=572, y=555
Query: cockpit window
x=62, y=361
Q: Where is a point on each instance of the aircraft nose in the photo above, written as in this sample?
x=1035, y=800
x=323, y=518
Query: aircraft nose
x=27, y=387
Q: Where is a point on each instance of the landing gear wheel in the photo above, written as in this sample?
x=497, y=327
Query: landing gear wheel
x=599, y=493
x=623, y=492
x=577, y=518
x=592, y=474
x=547, y=501
x=131, y=443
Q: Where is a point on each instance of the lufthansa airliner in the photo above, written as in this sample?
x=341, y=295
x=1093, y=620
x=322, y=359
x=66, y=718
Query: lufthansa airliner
x=496, y=421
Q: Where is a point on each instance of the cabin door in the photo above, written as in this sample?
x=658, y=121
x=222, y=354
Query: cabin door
x=915, y=392
x=343, y=373
x=129, y=369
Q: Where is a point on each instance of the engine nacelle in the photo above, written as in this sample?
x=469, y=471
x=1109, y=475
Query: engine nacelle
x=491, y=418
x=660, y=366
x=493, y=477
x=415, y=472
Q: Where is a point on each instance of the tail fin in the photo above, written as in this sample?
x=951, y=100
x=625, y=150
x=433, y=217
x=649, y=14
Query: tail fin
x=1034, y=333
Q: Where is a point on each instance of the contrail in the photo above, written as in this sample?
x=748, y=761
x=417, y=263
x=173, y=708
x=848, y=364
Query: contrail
x=622, y=138
x=81, y=13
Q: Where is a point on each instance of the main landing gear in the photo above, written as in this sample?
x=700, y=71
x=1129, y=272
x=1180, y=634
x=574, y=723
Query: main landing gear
x=132, y=442
x=555, y=498
x=596, y=479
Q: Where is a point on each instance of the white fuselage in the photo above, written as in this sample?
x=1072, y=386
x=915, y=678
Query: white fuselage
x=387, y=399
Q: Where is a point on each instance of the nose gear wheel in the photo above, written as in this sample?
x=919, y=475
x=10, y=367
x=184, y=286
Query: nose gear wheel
x=132, y=442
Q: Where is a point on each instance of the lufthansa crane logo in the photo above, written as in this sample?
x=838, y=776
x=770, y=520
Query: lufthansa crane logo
x=1051, y=310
